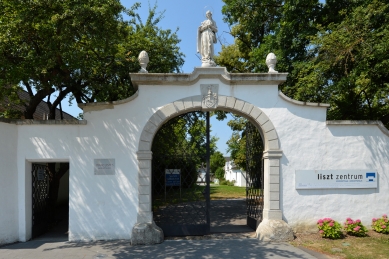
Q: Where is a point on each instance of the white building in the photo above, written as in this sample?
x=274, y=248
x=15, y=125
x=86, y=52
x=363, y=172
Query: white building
x=234, y=173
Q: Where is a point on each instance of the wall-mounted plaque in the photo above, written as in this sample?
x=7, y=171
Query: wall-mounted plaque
x=104, y=166
x=336, y=179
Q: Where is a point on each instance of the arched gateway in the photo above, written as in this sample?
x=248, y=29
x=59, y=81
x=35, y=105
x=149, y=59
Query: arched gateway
x=109, y=156
x=271, y=155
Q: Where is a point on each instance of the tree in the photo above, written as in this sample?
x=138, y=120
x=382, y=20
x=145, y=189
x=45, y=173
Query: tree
x=331, y=53
x=181, y=144
x=217, y=162
x=79, y=48
x=220, y=173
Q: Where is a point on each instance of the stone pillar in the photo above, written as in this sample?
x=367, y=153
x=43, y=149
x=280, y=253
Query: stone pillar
x=145, y=231
x=272, y=227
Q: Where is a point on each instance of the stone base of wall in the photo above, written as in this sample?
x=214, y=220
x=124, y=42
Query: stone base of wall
x=146, y=234
x=274, y=230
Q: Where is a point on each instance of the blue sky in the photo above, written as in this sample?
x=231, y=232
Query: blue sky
x=186, y=15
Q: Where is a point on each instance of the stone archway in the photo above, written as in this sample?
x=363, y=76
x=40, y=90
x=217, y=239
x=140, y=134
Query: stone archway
x=271, y=155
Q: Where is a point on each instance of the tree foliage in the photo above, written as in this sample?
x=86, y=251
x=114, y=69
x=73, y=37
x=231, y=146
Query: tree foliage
x=184, y=135
x=335, y=52
x=217, y=162
x=237, y=144
x=84, y=49
x=181, y=144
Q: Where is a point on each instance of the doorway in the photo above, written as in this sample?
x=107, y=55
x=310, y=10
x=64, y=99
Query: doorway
x=50, y=201
x=181, y=201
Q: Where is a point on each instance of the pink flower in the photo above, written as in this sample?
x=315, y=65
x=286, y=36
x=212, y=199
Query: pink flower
x=357, y=228
x=331, y=224
x=383, y=226
x=349, y=219
x=384, y=216
x=319, y=221
x=321, y=231
x=374, y=219
x=320, y=224
x=350, y=222
x=358, y=221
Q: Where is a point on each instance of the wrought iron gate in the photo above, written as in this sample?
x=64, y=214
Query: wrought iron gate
x=180, y=201
x=40, y=193
x=254, y=176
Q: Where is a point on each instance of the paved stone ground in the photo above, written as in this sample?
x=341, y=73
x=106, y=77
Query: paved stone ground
x=170, y=249
x=227, y=217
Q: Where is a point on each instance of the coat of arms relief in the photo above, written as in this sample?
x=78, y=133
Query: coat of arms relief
x=210, y=96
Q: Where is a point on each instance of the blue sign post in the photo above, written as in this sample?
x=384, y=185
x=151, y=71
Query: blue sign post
x=172, y=178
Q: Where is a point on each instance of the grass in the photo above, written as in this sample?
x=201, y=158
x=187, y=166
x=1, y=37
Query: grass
x=375, y=245
x=195, y=193
x=220, y=192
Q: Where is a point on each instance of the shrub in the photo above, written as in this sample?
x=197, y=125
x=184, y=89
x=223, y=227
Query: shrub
x=231, y=183
x=228, y=183
x=355, y=228
x=329, y=228
x=223, y=182
x=381, y=225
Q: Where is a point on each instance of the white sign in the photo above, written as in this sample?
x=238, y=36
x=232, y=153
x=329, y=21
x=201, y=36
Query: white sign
x=335, y=179
x=104, y=166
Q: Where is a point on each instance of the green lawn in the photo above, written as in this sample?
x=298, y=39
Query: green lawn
x=219, y=192
x=195, y=193
x=373, y=246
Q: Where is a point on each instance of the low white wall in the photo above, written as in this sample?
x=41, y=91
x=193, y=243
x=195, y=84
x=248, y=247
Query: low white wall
x=308, y=143
x=106, y=206
x=8, y=184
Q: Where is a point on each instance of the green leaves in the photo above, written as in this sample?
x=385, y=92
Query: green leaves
x=79, y=48
x=217, y=162
x=335, y=52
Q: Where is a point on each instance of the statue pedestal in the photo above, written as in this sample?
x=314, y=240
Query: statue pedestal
x=208, y=64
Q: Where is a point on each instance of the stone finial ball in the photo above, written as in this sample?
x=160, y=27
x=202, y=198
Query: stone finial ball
x=271, y=61
x=271, y=57
x=143, y=57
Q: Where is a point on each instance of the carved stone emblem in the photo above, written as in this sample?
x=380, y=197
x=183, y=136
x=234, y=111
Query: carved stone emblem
x=210, y=96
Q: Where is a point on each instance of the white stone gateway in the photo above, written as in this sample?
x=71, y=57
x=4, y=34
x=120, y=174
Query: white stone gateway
x=117, y=136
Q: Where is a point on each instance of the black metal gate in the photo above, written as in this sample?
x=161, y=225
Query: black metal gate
x=40, y=193
x=180, y=199
x=254, y=176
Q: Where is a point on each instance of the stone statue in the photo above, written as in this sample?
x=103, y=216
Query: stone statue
x=206, y=37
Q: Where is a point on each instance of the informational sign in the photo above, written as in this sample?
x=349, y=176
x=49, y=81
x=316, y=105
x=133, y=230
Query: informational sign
x=335, y=179
x=104, y=166
x=172, y=177
x=41, y=174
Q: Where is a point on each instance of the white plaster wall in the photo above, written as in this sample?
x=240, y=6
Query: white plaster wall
x=305, y=139
x=106, y=206
x=309, y=144
x=8, y=184
x=100, y=207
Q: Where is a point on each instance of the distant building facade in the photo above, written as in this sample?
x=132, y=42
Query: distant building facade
x=234, y=173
